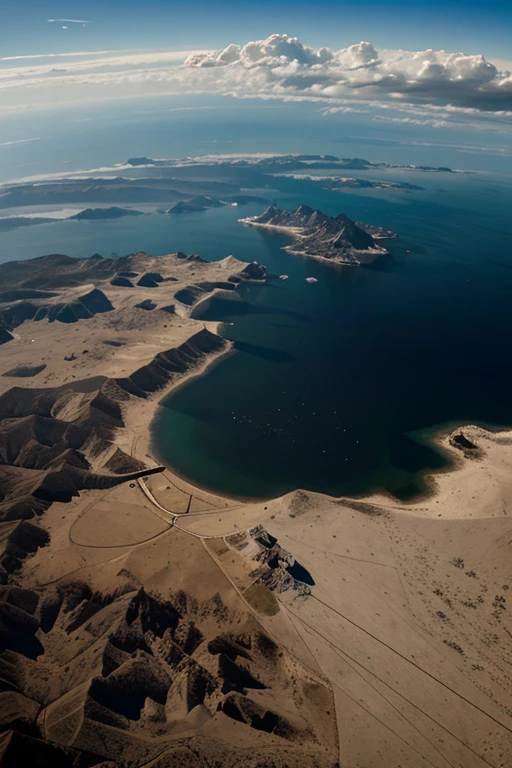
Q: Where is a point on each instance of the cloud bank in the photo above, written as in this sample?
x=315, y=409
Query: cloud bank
x=284, y=66
x=420, y=87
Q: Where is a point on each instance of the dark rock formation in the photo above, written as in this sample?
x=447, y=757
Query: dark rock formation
x=140, y=161
x=85, y=306
x=20, y=538
x=120, y=463
x=5, y=336
x=91, y=214
x=146, y=304
x=194, y=204
x=144, y=677
x=336, y=238
x=193, y=293
x=464, y=444
x=150, y=280
x=254, y=271
x=121, y=282
x=166, y=365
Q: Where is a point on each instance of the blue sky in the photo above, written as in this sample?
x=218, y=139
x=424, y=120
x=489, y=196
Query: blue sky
x=473, y=27
x=425, y=66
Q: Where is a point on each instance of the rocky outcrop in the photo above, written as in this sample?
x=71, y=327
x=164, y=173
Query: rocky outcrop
x=48, y=441
x=194, y=204
x=92, y=214
x=253, y=271
x=5, y=335
x=276, y=568
x=121, y=282
x=17, y=540
x=120, y=463
x=337, y=238
x=462, y=442
x=85, y=306
x=174, y=362
x=51, y=438
x=24, y=371
x=57, y=442
x=18, y=748
x=146, y=304
x=143, y=670
x=193, y=293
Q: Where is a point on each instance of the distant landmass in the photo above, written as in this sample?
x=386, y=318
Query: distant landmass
x=16, y=222
x=286, y=162
x=91, y=214
x=112, y=191
x=198, y=203
x=351, y=182
x=189, y=184
x=338, y=238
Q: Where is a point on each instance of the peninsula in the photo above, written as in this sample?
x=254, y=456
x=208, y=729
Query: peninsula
x=337, y=239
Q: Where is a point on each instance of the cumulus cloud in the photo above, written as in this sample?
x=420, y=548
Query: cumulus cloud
x=284, y=66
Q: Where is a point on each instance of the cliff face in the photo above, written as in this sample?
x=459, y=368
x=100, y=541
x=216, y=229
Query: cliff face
x=336, y=238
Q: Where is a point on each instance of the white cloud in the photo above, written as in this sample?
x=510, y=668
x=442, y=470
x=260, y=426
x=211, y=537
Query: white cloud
x=352, y=79
x=126, y=64
x=284, y=66
x=68, y=21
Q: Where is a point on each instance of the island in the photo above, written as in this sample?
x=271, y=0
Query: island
x=337, y=239
x=277, y=163
x=92, y=214
x=194, y=204
x=191, y=184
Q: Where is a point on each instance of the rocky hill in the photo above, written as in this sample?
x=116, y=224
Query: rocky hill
x=338, y=238
x=57, y=435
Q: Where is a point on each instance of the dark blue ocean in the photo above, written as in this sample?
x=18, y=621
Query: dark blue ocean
x=335, y=386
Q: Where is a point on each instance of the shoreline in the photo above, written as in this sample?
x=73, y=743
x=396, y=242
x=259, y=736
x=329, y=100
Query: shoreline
x=440, y=440
x=295, y=233
x=140, y=415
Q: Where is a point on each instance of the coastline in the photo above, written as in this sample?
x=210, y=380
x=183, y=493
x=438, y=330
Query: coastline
x=361, y=259
x=389, y=579
x=140, y=414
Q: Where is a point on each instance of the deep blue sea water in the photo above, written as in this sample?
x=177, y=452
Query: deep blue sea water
x=335, y=386
x=333, y=381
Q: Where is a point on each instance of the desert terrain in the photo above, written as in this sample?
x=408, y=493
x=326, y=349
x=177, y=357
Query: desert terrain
x=146, y=622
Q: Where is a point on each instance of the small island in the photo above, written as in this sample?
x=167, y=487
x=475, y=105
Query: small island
x=335, y=238
x=195, y=204
x=92, y=214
